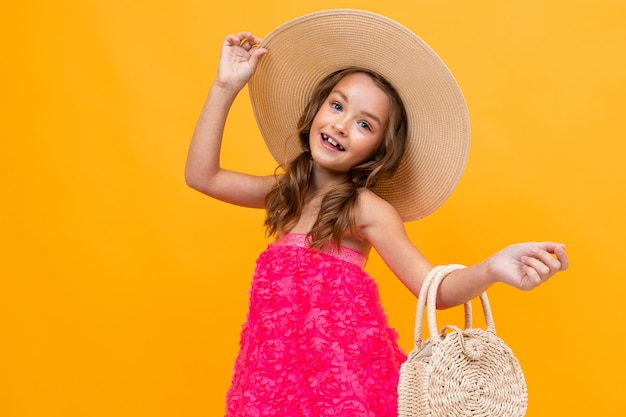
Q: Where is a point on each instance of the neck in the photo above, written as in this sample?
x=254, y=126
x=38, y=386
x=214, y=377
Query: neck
x=323, y=179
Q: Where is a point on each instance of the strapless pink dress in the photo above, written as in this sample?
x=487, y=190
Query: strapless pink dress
x=316, y=341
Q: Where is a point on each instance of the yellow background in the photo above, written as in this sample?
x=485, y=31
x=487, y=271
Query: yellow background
x=122, y=291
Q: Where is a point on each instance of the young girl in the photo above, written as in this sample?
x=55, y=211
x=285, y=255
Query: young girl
x=316, y=341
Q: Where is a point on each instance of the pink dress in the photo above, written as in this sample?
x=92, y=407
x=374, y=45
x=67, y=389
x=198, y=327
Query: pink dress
x=316, y=342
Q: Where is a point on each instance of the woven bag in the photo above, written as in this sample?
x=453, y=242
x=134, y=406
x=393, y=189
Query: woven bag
x=456, y=372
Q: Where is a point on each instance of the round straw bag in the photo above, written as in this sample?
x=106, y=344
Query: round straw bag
x=456, y=372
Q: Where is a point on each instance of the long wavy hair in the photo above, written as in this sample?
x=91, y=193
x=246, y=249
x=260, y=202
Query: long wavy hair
x=284, y=203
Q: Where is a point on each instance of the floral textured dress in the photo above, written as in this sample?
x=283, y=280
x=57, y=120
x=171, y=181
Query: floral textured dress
x=316, y=342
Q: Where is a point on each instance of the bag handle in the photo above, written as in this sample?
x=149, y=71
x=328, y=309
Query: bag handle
x=433, y=288
x=443, y=271
x=428, y=292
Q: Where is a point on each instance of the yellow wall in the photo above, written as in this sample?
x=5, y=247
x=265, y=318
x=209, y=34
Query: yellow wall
x=122, y=291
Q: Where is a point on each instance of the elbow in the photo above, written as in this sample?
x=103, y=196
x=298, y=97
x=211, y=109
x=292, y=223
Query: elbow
x=191, y=180
x=194, y=180
x=203, y=182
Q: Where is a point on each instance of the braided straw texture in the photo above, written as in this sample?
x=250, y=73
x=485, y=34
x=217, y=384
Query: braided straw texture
x=463, y=373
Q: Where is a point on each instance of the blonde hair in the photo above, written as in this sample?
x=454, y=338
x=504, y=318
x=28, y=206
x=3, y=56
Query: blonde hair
x=284, y=203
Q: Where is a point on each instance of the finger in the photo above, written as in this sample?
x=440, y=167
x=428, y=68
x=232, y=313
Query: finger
x=542, y=270
x=248, y=41
x=231, y=40
x=553, y=264
x=256, y=40
x=246, y=44
x=532, y=277
x=550, y=247
x=249, y=44
x=561, y=255
x=244, y=35
x=238, y=39
x=557, y=250
x=255, y=54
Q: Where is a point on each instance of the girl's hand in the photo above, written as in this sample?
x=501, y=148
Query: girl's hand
x=238, y=60
x=528, y=265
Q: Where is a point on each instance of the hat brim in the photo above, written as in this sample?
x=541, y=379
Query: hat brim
x=305, y=50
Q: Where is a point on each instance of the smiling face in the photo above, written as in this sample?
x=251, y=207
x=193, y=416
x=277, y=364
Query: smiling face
x=350, y=125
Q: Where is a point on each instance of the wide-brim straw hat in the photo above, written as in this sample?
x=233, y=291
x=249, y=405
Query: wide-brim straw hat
x=305, y=50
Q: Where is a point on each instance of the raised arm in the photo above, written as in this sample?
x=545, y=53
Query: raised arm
x=203, y=172
x=523, y=266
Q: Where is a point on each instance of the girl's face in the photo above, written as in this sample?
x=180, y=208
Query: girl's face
x=349, y=126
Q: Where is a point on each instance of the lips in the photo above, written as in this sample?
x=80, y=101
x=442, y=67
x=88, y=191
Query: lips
x=332, y=142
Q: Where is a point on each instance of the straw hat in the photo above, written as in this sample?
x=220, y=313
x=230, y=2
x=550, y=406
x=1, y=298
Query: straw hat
x=305, y=50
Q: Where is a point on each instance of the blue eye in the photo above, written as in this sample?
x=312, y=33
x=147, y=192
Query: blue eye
x=365, y=125
x=335, y=105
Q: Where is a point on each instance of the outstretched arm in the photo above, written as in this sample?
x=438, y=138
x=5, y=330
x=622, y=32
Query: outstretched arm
x=524, y=266
x=238, y=61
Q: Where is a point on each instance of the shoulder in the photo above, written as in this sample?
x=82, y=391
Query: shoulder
x=380, y=225
x=373, y=211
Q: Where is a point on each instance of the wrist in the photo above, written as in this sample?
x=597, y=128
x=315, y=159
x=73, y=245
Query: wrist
x=224, y=93
x=490, y=270
x=226, y=87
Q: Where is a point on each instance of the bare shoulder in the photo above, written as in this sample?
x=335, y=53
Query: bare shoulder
x=382, y=227
x=373, y=211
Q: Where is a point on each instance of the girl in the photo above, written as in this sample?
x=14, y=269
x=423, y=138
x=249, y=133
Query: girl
x=316, y=341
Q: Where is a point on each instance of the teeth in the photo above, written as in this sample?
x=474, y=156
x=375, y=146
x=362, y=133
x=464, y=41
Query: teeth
x=332, y=142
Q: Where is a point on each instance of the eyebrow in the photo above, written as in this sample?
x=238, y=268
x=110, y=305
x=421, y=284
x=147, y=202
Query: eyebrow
x=367, y=114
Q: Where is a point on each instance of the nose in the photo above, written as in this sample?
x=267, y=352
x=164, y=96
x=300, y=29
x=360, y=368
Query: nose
x=340, y=125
